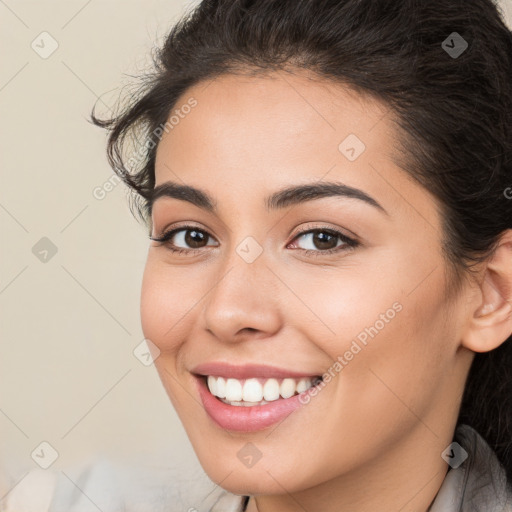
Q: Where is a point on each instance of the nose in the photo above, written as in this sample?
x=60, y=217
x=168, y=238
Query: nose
x=244, y=301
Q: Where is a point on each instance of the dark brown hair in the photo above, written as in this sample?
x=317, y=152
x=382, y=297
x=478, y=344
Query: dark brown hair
x=453, y=113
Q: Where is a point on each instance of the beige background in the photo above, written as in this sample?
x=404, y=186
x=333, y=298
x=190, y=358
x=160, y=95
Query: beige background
x=68, y=326
x=68, y=375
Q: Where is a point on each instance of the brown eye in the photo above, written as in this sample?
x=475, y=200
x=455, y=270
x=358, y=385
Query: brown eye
x=324, y=240
x=186, y=238
x=321, y=239
x=195, y=238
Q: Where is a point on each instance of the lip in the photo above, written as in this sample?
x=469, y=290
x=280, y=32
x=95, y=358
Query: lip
x=246, y=419
x=246, y=371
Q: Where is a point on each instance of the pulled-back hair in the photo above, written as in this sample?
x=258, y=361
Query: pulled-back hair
x=452, y=112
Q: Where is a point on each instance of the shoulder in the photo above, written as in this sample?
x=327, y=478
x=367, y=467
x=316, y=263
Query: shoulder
x=110, y=486
x=71, y=489
x=228, y=502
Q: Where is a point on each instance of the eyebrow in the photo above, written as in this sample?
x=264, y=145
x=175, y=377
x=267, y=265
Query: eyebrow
x=281, y=199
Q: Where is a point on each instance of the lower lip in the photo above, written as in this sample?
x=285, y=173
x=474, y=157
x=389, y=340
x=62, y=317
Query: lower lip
x=246, y=419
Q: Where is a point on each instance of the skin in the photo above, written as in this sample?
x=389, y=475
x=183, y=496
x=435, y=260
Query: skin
x=372, y=438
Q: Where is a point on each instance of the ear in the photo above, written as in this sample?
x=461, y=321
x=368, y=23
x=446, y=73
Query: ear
x=490, y=323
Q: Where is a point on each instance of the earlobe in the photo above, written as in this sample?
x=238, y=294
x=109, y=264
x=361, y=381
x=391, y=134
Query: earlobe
x=491, y=320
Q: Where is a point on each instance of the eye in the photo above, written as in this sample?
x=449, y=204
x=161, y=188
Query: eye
x=184, y=239
x=323, y=240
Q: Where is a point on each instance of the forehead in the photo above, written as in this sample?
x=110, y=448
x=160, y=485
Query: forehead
x=277, y=119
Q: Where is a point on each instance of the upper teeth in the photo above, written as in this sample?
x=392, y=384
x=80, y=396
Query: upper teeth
x=256, y=390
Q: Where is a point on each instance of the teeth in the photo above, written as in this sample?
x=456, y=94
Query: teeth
x=221, y=387
x=244, y=404
x=212, y=385
x=302, y=385
x=233, y=390
x=256, y=391
x=252, y=391
x=271, y=390
x=287, y=388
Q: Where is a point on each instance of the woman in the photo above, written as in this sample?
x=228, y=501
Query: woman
x=328, y=288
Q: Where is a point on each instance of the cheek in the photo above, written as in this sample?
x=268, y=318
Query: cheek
x=390, y=304
x=338, y=306
x=389, y=342
x=168, y=299
x=167, y=305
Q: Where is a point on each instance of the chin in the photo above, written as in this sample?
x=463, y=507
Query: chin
x=266, y=478
x=252, y=484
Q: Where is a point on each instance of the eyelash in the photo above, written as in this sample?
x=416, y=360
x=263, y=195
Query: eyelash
x=349, y=243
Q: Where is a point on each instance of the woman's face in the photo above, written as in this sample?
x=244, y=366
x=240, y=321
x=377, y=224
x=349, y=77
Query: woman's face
x=270, y=283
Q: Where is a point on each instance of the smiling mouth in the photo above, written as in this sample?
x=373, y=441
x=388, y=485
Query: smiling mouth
x=257, y=391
